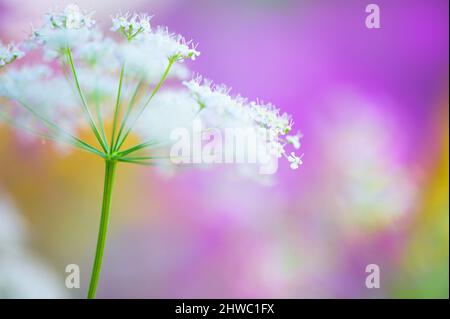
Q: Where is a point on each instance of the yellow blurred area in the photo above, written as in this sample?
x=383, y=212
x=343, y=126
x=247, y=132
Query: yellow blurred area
x=424, y=268
x=60, y=194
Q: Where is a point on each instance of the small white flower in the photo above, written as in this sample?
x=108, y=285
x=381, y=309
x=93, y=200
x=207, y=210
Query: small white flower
x=119, y=22
x=145, y=23
x=294, y=140
x=295, y=160
x=73, y=16
x=9, y=54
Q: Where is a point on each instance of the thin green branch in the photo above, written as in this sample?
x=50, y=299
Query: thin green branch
x=125, y=160
x=30, y=130
x=155, y=90
x=160, y=83
x=85, y=106
x=142, y=146
x=143, y=158
x=100, y=120
x=128, y=111
x=136, y=148
x=52, y=126
x=117, y=108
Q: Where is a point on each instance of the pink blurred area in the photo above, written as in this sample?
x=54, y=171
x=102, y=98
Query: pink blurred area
x=373, y=108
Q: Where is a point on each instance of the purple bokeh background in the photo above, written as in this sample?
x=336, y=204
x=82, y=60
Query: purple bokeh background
x=369, y=104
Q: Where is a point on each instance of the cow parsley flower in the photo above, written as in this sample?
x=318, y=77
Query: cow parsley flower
x=112, y=88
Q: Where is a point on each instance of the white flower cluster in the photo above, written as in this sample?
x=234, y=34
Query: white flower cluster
x=131, y=25
x=97, y=71
x=62, y=30
x=70, y=18
x=148, y=58
x=172, y=45
x=137, y=26
x=149, y=55
x=218, y=106
x=9, y=54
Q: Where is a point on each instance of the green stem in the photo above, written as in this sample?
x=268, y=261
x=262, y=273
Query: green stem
x=106, y=205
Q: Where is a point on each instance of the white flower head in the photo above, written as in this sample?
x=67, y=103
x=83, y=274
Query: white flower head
x=216, y=103
x=145, y=61
x=9, y=54
x=70, y=18
x=218, y=107
x=267, y=115
x=149, y=55
x=171, y=45
x=63, y=29
x=73, y=17
x=131, y=25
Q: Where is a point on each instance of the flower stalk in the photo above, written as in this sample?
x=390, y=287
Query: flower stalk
x=110, y=171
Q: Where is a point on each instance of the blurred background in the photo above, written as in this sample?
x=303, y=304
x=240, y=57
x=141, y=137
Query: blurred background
x=373, y=107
